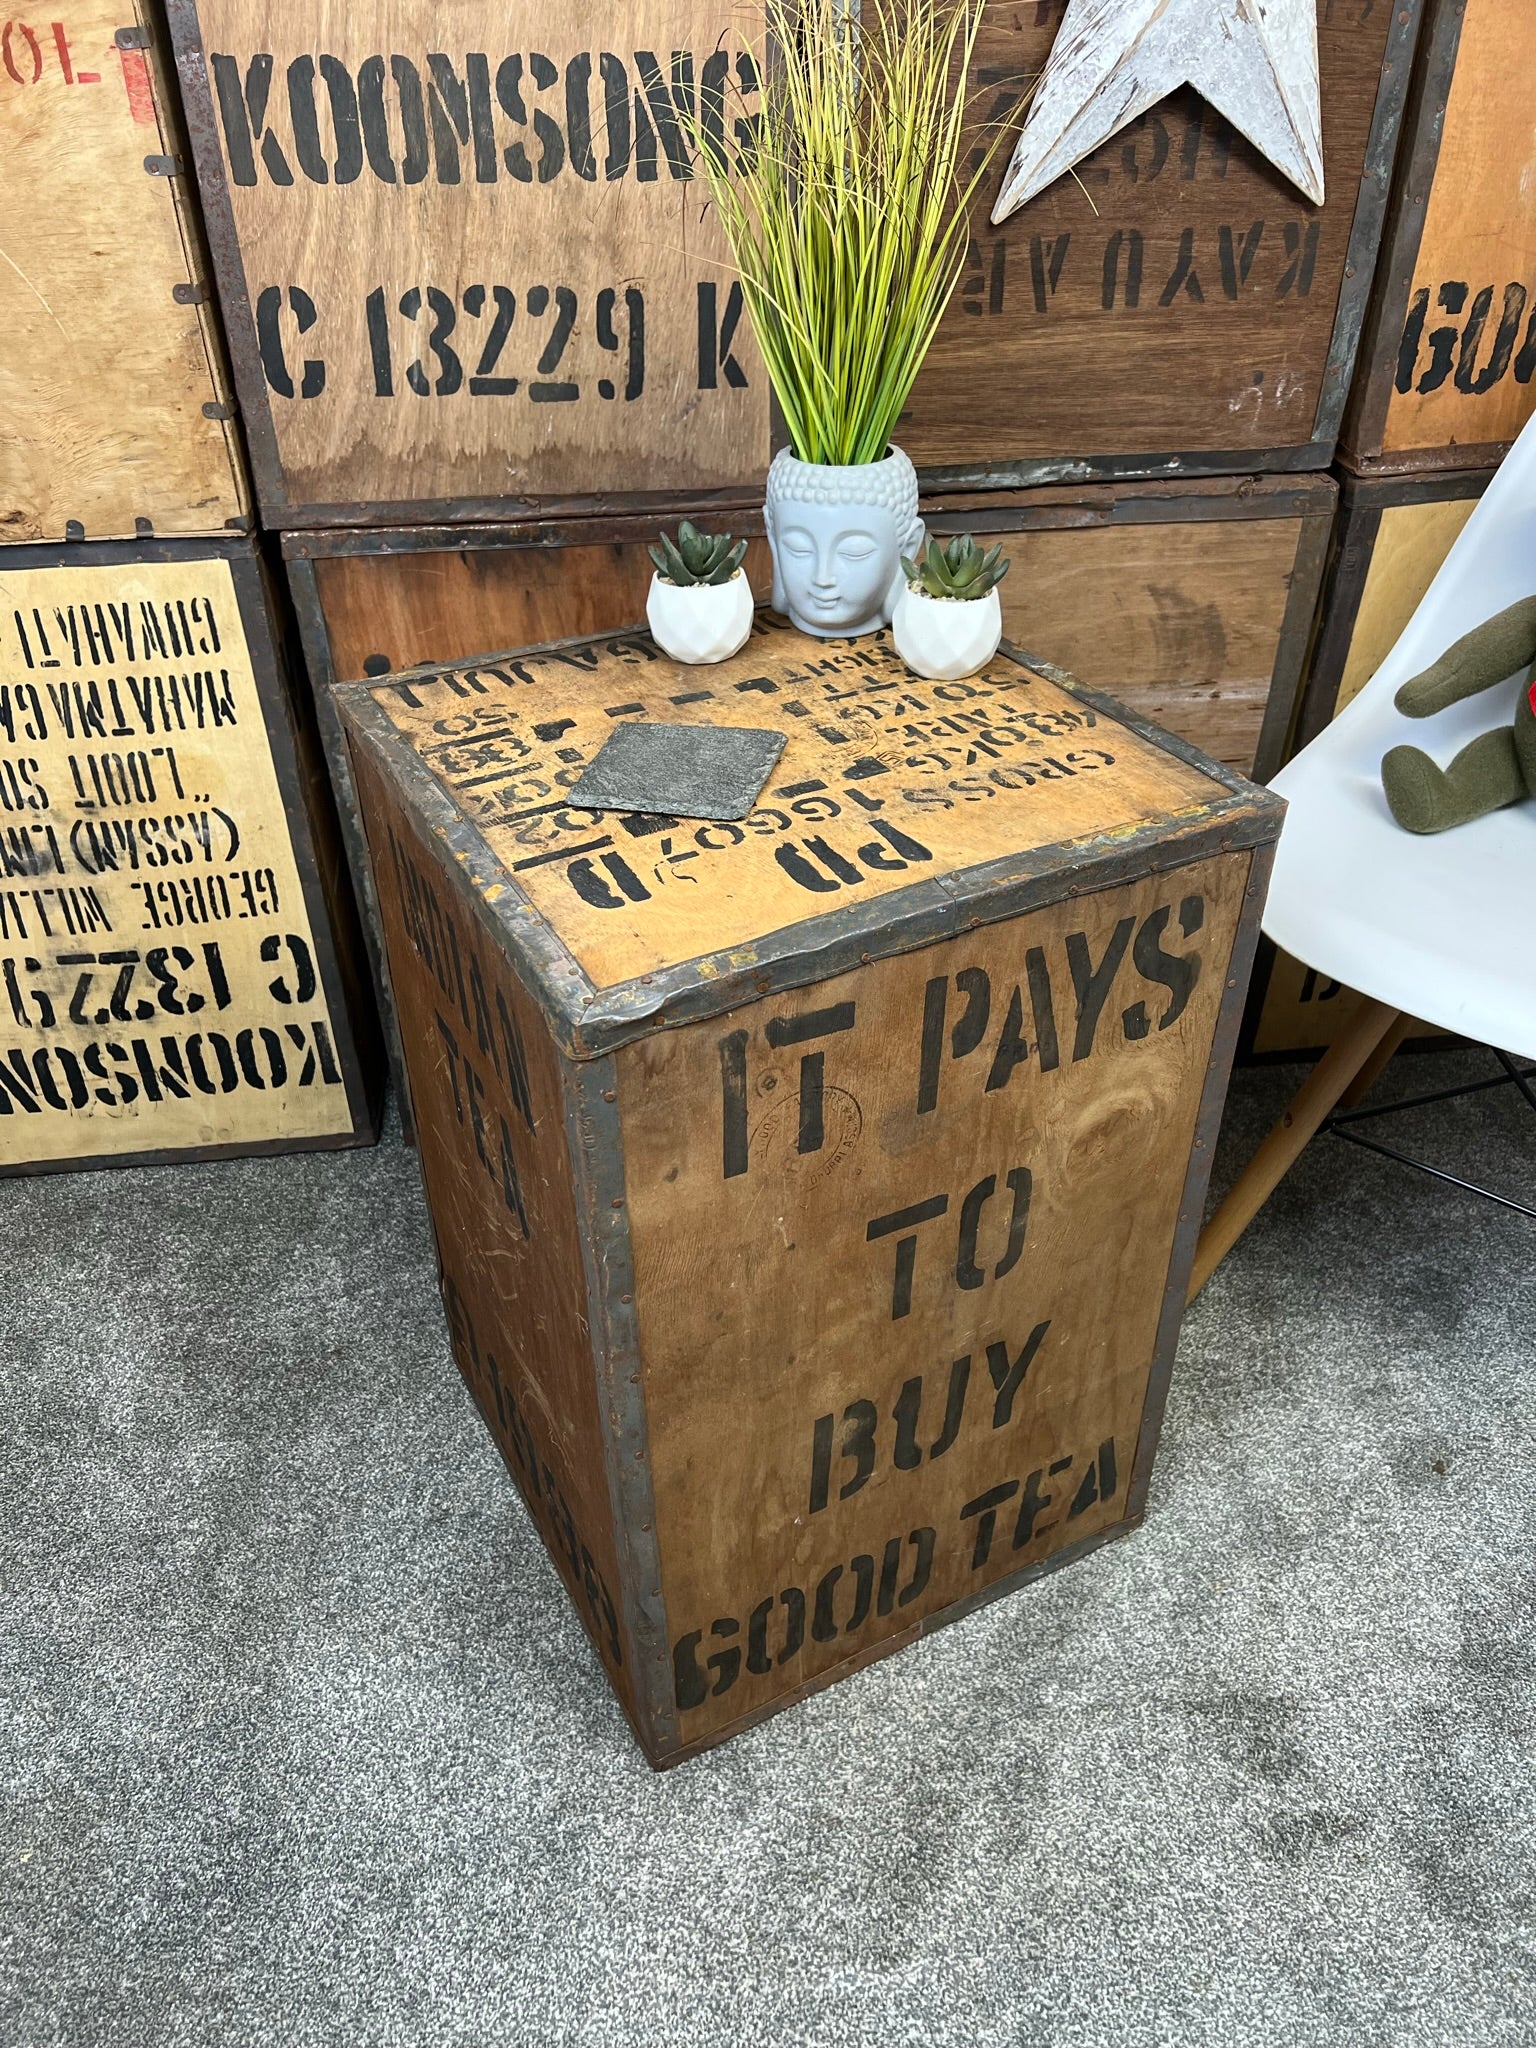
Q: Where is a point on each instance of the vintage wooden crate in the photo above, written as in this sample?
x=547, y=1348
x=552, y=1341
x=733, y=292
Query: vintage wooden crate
x=1182, y=309
x=462, y=262
x=1191, y=602
x=178, y=960
x=814, y=1195
x=1449, y=358
x=117, y=411
x=1393, y=534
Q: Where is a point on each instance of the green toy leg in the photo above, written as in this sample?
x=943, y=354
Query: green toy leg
x=1425, y=797
x=1499, y=647
x=1499, y=767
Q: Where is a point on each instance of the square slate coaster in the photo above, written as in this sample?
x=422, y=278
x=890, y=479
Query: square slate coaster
x=679, y=771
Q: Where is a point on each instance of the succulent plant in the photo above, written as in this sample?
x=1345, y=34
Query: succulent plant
x=956, y=568
x=696, y=557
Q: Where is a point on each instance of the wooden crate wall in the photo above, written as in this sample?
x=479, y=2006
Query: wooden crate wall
x=118, y=420
x=180, y=970
x=463, y=265
x=1448, y=369
x=1176, y=310
x=1393, y=535
x=1176, y=307
x=1189, y=600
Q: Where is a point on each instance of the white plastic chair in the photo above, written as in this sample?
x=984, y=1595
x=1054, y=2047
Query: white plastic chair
x=1442, y=927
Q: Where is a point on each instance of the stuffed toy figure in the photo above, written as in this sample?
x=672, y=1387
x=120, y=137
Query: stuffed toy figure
x=1498, y=767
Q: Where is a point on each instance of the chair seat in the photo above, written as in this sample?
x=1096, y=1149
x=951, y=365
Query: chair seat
x=1443, y=927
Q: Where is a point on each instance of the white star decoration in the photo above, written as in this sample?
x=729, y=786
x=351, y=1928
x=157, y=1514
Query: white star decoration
x=1254, y=60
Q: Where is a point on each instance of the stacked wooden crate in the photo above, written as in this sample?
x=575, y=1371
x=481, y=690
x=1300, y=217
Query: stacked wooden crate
x=177, y=977
x=1446, y=379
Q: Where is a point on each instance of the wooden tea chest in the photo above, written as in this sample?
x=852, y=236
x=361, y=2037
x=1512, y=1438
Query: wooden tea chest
x=180, y=976
x=119, y=420
x=814, y=1194
x=1448, y=356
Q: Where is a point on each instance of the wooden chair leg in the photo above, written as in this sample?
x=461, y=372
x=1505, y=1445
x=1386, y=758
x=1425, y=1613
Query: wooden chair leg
x=1318, y=1097
x=1377, y=1064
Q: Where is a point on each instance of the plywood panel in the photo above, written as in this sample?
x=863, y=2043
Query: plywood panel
x=488, y=1096
x=1175, y=295
x=1412, y=543
x=161, y=983
x=1181, y=622
x=884, y=1373
x=394, y=611
x=106, y=361
x=462, y=251
x=1466, y=355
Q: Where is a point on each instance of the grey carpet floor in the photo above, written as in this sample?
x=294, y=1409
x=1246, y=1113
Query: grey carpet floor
x=301, y=1743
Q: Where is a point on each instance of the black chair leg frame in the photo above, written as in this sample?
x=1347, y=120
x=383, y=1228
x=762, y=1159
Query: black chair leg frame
x=1345, y=1126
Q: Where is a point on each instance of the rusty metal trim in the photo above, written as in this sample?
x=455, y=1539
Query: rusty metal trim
x=1090, y=469
x=1365, y=424
x=595, y=1142
x=356, y=1048
x=1365, y=235
x=315, y=642
x=239, y=323
x=1409, y=464
x=1301, y=614
x=1218, y=1074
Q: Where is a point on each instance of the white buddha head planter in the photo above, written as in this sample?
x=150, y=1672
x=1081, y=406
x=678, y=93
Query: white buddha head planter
x=838, y=534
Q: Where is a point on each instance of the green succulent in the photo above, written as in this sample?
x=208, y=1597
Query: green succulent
x=696, y=557
x=956, y=568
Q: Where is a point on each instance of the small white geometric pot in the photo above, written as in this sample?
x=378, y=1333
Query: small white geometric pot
x=945, y=638
x=700, y=622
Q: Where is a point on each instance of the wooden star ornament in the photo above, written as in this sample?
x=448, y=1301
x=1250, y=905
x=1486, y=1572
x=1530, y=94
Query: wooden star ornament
x=1254, y=60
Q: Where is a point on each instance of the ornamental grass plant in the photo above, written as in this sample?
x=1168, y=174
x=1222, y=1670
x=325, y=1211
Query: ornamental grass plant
x=847, y=216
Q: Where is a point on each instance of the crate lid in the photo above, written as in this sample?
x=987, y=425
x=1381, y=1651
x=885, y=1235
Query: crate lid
x=900, y=812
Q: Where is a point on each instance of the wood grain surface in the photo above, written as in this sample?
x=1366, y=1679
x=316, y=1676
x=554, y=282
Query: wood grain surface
x=885, y=781
x=161, y=983
x=1176, y=295
x=1453, y=341
x=886, y=1371
x=399, y=610
x=107, y=360
x=488, y=1096
x=475, y=261
x=1181, y=623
